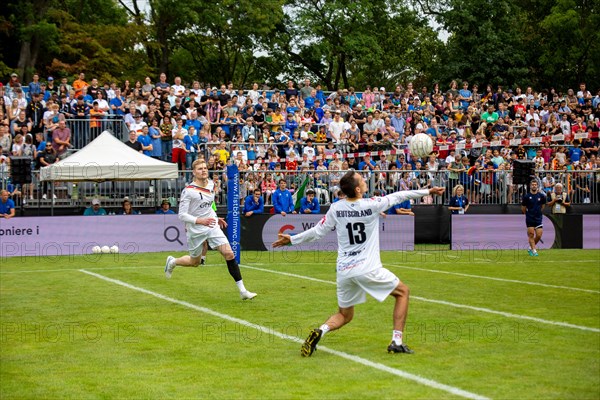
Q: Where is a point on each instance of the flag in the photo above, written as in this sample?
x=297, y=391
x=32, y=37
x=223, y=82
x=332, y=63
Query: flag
x=299, y=194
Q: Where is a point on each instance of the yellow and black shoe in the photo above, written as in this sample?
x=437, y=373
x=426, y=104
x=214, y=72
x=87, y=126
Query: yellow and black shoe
x=399, y=348
x=310, y=344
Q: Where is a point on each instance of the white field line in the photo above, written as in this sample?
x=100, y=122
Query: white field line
x=447, y=303
x=93, y=268
x=437, y=271
x=394, y=371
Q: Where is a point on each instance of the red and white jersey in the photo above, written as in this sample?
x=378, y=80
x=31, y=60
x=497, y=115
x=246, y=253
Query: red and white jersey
x=196, y=202
x=357, y=226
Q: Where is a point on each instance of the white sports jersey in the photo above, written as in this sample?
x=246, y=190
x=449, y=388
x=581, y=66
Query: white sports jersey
x=357, y=227
x=196, y=202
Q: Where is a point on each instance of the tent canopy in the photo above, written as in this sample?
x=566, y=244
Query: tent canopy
x=108, y=159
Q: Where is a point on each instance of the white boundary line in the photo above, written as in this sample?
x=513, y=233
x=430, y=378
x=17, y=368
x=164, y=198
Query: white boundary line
x=447, y=303
x=403, y=374
x=494, y=279
x=93, y=268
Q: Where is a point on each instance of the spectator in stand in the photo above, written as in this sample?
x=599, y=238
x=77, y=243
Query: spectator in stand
x=128, y=209
x=79, y=85
x=146, y=141
x=283, y=203
x=61, y=139
x=254, y=203
x=94, y=209
x=7, y=205
x=403, y=208
x=165, y=208
x=133, y=142
x=309, y=204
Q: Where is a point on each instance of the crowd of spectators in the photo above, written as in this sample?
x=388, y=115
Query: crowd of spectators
x=303, y=130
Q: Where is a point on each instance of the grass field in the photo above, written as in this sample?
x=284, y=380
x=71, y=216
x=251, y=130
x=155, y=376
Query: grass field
x=497, y=325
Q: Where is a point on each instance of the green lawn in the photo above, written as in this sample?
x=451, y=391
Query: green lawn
x=533, y=331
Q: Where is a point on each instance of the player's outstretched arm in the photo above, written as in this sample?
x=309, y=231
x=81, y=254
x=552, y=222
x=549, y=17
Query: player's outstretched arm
x=283, y=240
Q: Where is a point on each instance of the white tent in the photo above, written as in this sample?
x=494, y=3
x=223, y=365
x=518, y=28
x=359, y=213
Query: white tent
x=108, y=159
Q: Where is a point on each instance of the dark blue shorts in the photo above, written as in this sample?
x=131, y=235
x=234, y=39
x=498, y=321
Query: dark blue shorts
x=534, y=223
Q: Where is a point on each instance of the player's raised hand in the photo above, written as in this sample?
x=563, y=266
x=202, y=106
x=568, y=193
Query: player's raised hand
x=283, y=240
x=436, y=190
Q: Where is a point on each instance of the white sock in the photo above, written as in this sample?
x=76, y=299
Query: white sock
x=397, y=337
x=324, y=328
x=240, y=285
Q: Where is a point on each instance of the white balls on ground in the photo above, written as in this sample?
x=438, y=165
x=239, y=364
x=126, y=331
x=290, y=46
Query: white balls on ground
x=96, y=250
x=114, y=249
x=420, y=145
x=105, y=249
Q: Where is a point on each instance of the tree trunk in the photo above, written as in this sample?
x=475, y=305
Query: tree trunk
x=344, y=72
x=24, y=60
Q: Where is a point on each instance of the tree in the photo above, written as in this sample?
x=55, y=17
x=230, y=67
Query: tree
x=354, y=42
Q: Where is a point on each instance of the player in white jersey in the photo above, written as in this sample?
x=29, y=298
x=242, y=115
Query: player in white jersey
x=203, y=225
x=359, y=268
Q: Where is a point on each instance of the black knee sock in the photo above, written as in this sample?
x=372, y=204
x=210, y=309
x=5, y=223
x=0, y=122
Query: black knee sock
x=234, y=270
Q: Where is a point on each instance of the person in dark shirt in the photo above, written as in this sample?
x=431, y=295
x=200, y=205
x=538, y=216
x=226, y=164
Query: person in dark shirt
x=133, y=142
x=532, y=205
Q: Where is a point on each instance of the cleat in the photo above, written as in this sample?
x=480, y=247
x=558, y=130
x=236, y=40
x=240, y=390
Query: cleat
x=535, y=254
x=247, y=295
x=202, y=261
x=399, y=348
x=310, y=344
x=530, y=252
x=169, y=266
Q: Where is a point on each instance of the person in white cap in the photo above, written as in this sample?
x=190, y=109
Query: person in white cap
x=94, y=209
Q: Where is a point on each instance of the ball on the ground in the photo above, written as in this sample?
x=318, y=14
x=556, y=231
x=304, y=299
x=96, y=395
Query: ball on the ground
x=114, y=249
x=96, y=250
x=105, y=249
x=420, y=145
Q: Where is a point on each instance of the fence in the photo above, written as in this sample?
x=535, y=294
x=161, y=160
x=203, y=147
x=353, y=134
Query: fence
x=84, y=130
x=484, y=187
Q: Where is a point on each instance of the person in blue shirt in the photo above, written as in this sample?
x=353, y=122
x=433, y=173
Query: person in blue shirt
x=532, y=205
x=154, y=133
x=575, y=152
x=146, y=142
x=254, y=204
x=282, y=200
x=309, y=204
x=465, y=96
x=401, y=209
x=118, y=104
x=165, y=208
x=35, y=87
x=366, y=161
x=459, y=204
x=7, y=205
x=94, y=209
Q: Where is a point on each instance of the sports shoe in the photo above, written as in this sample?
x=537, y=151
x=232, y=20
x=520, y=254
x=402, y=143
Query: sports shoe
x=310, y=344
x=530, y=252
x=203, y=261
x=169, y=266
x=399, y=348
x=247, y=295
x=535, y=254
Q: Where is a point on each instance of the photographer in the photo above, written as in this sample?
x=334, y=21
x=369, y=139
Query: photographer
x=559, y=200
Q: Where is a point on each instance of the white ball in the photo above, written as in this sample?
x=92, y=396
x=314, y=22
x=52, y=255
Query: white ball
x=96, y=249
x=420, y=145
x=114, y=249
x=105, y=249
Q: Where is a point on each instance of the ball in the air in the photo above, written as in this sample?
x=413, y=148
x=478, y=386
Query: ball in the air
x=420, y=145
x=105, y=249
x=114, y=249
x=96, y=250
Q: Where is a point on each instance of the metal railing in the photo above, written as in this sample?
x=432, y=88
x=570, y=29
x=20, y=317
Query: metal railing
x=84, y=130
x=494, y=187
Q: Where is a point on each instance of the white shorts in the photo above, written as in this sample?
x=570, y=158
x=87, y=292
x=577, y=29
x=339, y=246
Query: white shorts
x=379, y=284
x=215, y=238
